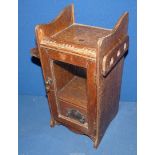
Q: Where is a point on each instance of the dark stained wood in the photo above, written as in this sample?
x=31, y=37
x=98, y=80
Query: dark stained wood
x=114, y=55
x=47, y=72
x=75, y=92
x=64, y=106
x=91, y=95
x=77, y=39
x=82, y=68
x=65, y=19
x=81, y=35
x=62, y=70
x=108, y=88
x=67, y=57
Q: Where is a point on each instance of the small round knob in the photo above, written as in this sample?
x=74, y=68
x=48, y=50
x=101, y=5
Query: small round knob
x=47, y=89
x=48, y=81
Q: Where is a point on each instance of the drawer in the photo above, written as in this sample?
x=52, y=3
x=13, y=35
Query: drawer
x=73, y=113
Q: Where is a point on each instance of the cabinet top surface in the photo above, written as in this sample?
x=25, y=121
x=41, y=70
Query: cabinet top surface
x=81, y=39
x=82, y=35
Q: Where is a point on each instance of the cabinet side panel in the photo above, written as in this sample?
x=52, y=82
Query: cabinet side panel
x=108, y=87
x=108, y=99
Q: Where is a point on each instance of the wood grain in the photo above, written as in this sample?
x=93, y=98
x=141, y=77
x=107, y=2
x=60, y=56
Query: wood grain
x=82, y=67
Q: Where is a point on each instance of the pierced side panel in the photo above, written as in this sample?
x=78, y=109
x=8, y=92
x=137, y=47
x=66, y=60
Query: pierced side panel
x=114, y=55
x=108, y=87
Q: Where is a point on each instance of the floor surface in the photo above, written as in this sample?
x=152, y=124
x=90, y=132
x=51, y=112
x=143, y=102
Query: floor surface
x=36, y=137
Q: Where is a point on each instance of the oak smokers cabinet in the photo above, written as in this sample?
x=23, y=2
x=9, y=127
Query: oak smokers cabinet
x=82, y=68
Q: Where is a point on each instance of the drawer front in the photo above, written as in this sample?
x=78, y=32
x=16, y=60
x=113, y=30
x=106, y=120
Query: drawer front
x=73, y=113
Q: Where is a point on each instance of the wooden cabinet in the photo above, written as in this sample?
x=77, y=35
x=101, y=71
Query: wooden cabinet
x=82, y=69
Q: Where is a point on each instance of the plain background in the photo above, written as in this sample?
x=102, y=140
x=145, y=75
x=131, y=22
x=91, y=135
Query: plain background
x=104, y=13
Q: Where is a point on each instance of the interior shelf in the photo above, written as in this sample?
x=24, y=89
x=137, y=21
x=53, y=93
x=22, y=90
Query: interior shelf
x=74, y=92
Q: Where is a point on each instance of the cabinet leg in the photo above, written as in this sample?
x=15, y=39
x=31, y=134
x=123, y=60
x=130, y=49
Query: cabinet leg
x=56, y=122
x=96, y=143
x=53, y=122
